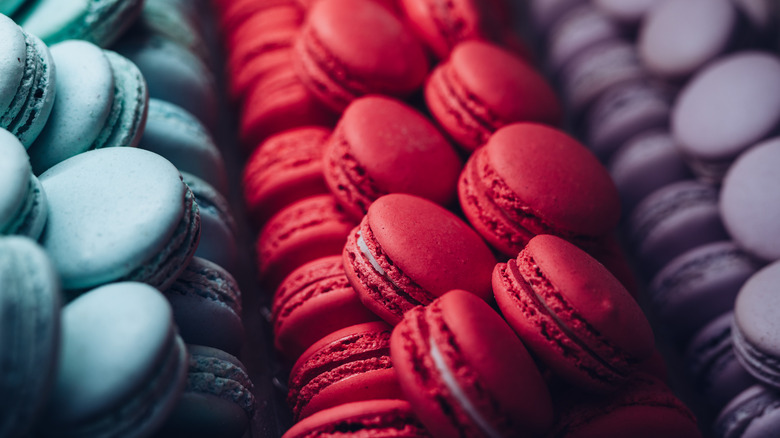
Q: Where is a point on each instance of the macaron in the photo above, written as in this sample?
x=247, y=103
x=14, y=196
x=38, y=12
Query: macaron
x=752, y=414
x=102, y=102
x=311, y=228
x=118, y=214
x=746, y=204
x=677, y=38
x=218, y=229
x=644, y=163
x=381, y=145
x=708, y=116
x=443, y=25
x=278, y=102
x=672, y=220
x=348, y=365
x=755, y=321
x=595, y=70
x=579, y=28
x=28, y=83
x=626, y=11
x=573, y=314
x=30, y=309
x=285, y=168
x=699, y=285
x=408, y=250
x=532, y=179
x=122, y=366
x=545, y=13
x=466, y=373
x=23, y=205
x=644, y=408
x=313, y=301
x=350, y=48
x=712, y=364
x=381, y=418
x=217, y=399
x=173, y=74
x=206, y=303
x=622, y=112
x=99, y=22
x=482, y=87
x=178, y=136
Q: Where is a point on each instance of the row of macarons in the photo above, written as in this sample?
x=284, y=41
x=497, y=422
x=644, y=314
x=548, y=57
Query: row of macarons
x=692, y=172
x=157, y=243
x=316, y=191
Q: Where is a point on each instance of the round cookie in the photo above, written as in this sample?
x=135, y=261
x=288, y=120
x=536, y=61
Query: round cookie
x=23, y=204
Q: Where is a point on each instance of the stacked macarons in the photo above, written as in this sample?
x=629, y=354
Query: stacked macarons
x=691, y=170
x=126, y=242
x=396, y=152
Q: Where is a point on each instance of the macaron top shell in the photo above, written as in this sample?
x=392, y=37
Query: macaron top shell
x=12, y=61
x=431, y=245
x=593, y=293
x=709, y=120
x=509, y=88
x=102, y=202
x=555, y=178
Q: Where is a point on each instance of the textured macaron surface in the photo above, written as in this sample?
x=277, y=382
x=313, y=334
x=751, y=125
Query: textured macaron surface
x=381, y=146
x=465, y=371
x=102, y=202
x=531, y=179
x=573, y=313
x=15, y=179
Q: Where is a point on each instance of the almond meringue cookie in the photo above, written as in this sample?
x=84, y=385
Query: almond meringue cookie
x=23, y=205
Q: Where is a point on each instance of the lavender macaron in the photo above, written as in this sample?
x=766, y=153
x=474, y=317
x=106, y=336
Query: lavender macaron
x=756, y=328
x=754, y=413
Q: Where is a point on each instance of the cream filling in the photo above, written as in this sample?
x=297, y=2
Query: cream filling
x=367, y=254
x=457, y=392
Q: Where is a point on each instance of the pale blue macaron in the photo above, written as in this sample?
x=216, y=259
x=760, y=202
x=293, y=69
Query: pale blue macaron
x=97, y=21
x=756, y=327
x=122, y=367
x=30, y=333
x=27, y=82
x=177, y=135
x=23, y=204
x=218, y=400
x=119, y=214
x=102, y=102
x=218, y=227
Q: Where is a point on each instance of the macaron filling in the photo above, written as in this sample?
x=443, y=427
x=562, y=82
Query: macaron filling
x=580, y=339
x=406, y=293
x=457, y=392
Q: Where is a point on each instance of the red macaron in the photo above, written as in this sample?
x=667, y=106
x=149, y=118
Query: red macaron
x=350, y=48
x=408, y=250
x=351, y=364
x=365, y=419
x=382, y=145
x=482, y=87
x=573, y=314
x=443, y=24
x=466, y=373
x=313, y=301
x=285, y=168
x=311, y=228
x=532, y=179
x=644, y=408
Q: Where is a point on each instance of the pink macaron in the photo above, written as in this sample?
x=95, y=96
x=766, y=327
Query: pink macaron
x=482, y=87
x=408, y=250
x=382, y=145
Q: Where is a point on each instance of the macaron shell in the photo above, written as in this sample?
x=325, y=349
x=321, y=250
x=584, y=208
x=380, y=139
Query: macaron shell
x=15, y=175
x=440, y=253
x=14, y=55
